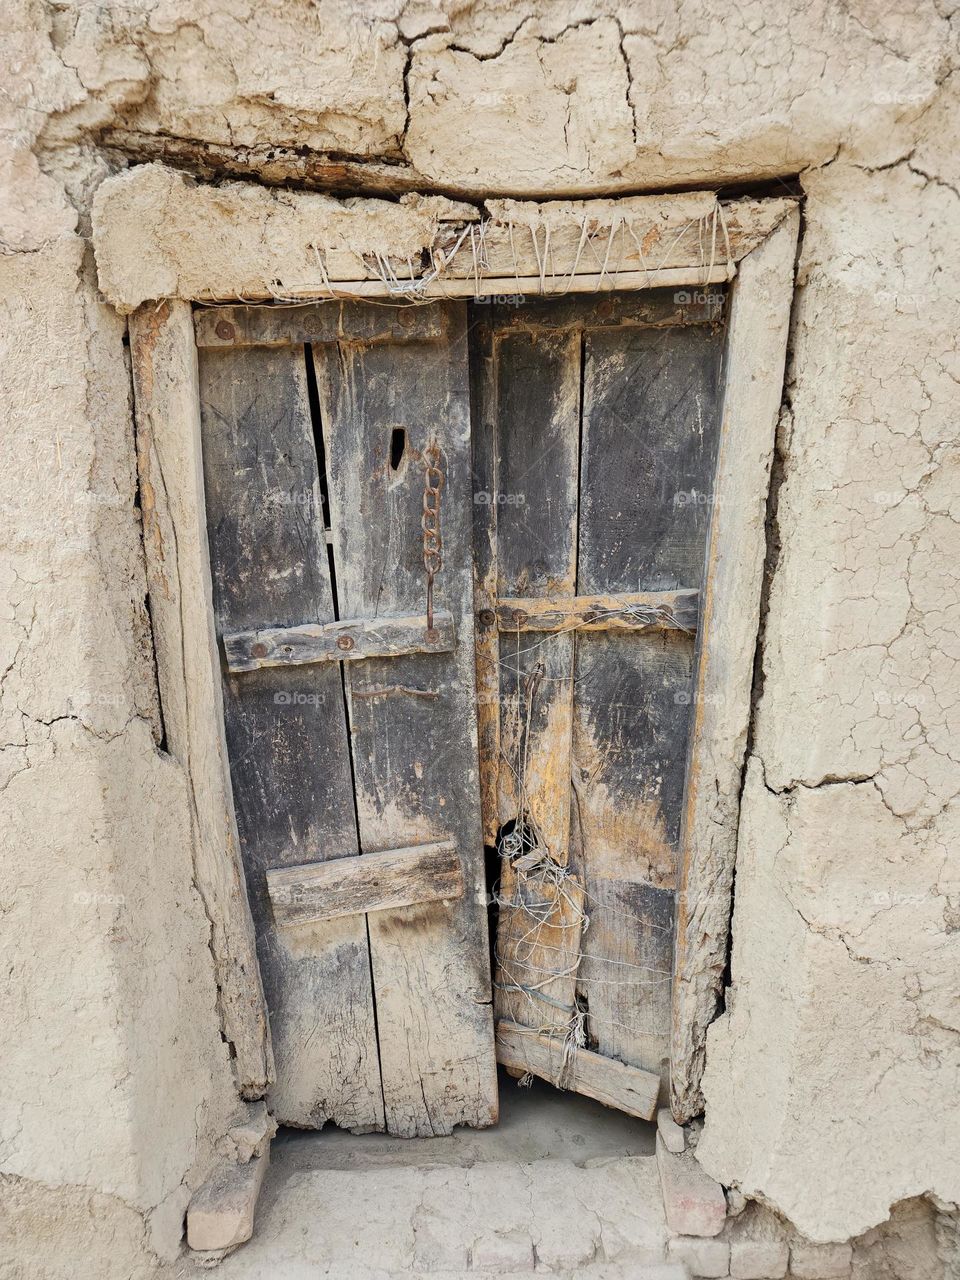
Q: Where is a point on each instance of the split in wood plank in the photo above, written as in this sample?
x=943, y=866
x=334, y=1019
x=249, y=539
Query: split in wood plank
x=343, y=641
x=371, y=882
x=643, y=611
x=607, y=1080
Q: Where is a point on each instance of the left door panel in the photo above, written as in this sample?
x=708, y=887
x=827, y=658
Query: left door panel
x=326, y=415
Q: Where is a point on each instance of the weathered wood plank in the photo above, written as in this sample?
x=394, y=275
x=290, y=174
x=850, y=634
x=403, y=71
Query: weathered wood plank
x=626, y=611
x=346, y=641
x=756, y=352
x=637, y=236
x=483, y=409
x=613, y=1083
x=692, y=277
x=415, y=758
x=538, y=945
x=279, y=326
x=537, y=442
x=286, y=729
x=164, y=363
x=650, y=424
x=372, y=882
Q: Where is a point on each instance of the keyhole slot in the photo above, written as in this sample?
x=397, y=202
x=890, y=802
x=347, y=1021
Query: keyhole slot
x=398, y=447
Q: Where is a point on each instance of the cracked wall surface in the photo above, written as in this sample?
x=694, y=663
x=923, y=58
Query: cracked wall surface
x=832, y=1076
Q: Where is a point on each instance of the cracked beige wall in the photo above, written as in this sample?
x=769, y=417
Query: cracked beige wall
x=832, y=1078
x=828, y=1077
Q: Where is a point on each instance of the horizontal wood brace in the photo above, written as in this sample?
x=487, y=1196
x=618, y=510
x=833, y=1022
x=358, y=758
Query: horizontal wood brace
x=643, y=611
x=371, y=882
x=335, y=320
x=607, y=1080
x=345, y=641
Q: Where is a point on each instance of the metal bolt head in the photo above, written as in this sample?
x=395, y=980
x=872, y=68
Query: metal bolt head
x=405, y=316
x=431, y=635
x=259, y=650
x=486, y=617
x=519, y=617
x=345, y=642
x=605, y=308
x=225, y=330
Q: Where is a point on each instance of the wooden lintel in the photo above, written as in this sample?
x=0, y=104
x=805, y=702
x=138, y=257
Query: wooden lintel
x=370, y=882
x=607, y=1080
x=344, y=641
x=643, y=611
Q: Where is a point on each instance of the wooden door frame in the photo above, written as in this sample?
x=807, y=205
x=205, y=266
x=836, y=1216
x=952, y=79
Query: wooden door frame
x=758, y=263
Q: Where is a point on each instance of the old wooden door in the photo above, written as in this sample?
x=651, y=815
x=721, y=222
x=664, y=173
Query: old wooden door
x=350, y=715
x=596, y=425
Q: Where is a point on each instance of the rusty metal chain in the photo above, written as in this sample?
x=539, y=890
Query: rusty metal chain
x=430, y=523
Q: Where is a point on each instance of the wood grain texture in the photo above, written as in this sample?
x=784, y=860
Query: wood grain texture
x=538, y=947
x=414, y=758
x=625, y=611
x=286, y=729
x=650, y=421
x=652, y=242
x=537, y=429
x=347, y=641
x=164, y=362
x=755, y=357
x=483, y=408
x=373, y=882
x=605, y=1079
x=266, y=326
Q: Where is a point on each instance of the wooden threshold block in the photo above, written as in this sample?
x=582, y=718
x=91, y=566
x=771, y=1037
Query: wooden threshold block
x=344, y=641
x=606, y=1080
x=642, y=611
x=370, y=882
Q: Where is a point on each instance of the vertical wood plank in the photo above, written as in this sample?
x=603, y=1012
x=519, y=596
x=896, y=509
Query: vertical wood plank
x=415, y=757
x=755, y=358
x=164, y=362
x=483, y=413
x=533, y=433
x=286, y=729
x=651, y=408
x=537, y=445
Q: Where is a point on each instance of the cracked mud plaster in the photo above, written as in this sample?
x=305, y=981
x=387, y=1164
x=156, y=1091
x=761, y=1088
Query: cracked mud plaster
x=829, y=1079
x=503, y=98
x=828, y=1076
x=115, y=1076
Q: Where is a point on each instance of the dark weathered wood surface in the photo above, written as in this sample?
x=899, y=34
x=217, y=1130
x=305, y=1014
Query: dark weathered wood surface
x=636, y=496
x=605, y=1079
x=286, y=729
x=346, y=641
x=372, y=882
x=537, y=427
x=268, y=326
x=414, y=757
x=625, y=611
x=650, y=422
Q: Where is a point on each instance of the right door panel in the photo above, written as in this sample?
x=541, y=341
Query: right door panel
x=596, y=426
